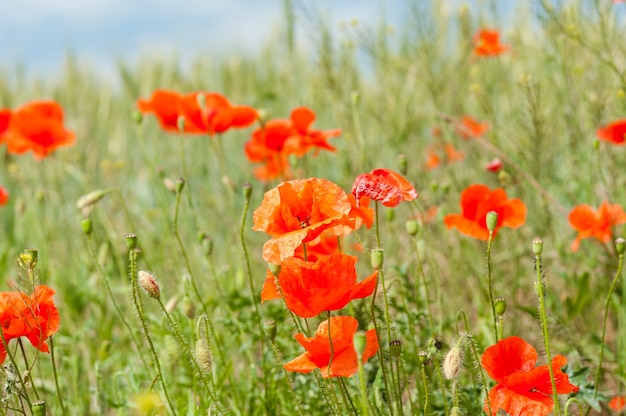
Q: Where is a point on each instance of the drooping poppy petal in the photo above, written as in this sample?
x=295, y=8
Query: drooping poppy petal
x=614, y=132
x=318, y=351
x=328, y=284
x=522, y=389
x=487, y=43
x=38, y=127
x=476, y=201
x=270, y=290
x=384, y=185
x=298, y=211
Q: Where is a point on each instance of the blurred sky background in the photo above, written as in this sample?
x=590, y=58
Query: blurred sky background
x=36, y=35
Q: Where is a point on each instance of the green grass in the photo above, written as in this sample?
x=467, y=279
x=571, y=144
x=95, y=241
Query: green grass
x=544, y=101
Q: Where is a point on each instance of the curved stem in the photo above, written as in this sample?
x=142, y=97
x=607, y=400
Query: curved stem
x=490, y=286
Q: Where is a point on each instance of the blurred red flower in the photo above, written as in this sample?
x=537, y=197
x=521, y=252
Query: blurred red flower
x=345, y=361
x=476, y=202
x=598, y=224
x=328, y=284
x=469, y=128
x=36, y=126
x=4, y=195
x=34, y=317
x=487, y=43
x=384, y=185
x=522, y=388
x=617, y=403
x=614, y=132
x=298, y=211
x=451, y=155
x=494, y=165
x=164, y=104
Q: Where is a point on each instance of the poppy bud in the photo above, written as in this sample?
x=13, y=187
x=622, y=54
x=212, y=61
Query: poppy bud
x=402, y=164
x=434, y=186
x=390, y=214
x=537, y=246
x=202, y=328
x=201, y=235
x=246, y=189
x=180, y=123
x=87, y=226
x=596, y=145
x=149, y=284
x=39, y=408
x=169, y=184
x=500, y=305
x=412, y=227
x=131, y=241
x=137, y=116
x=203, y=355
x=269, y=327
x=422, y=357
x=359, y=343
x=180, y=185
x=377, y=258
x=207, y=246
x=491, y=221
x=453, y=362
x=91, y=198
x=188, y=307
x=395, y=348
x=274, y=268
x=620, y=245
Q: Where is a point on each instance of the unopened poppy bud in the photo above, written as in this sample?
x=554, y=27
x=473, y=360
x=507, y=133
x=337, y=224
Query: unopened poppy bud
x=180, y=123
x=207, y=246
x=620, y=244
x=39, y=408
x=445, y=188
x=500, y=305
x=537, y=246
x=402, y=164
x=188, y=307
x=377, y=258
x=180, y=185
x=422, y=357
x=390, y=214
x=149, y=284
x=203, y=355
x=360, y=339
x=87, y=226
x=412, y=227
x=434, y=186
x=453, y=363
x=27, y=259
x=269, y=327
x=169, y=184
x=131, y=241
x=137, y=116
x=91, y=198
x=274, y=268
x=246, y=189
x=202, y=328
x=201, y=235
x=491, y=221
x=395, y=348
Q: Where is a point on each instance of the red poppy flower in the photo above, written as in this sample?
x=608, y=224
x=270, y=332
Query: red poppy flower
x=303, y=137
x=34, y=317
x=494, y=166
x=451, y=155
x=469, y=128
x=598, y=224
x=36, y=126
x=618, y=403
x=476, y=202
x=522, y=388
x=296, y=212
x=4, y=196
x=164, y=104
x=211, y=113
x=487, y=43
x=384, y=185
x=326, y=285
x=5, y=117
x=613, y=133
x=345, y=361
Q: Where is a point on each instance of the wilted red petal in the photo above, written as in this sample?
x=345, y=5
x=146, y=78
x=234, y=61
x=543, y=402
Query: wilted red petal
x=384, y=185
x=494, y=165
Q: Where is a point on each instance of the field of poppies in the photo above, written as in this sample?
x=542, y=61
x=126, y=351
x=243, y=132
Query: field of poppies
x=417, y=220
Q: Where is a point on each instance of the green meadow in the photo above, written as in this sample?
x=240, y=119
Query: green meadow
x=399, y=95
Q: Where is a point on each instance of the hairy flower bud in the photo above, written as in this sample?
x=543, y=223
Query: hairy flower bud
x=149, y=284
x=491, y=221
x=453, y=363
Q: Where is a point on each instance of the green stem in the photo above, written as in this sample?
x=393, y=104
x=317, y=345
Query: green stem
x=420, y=268
x=425, y=383
x=56, y=376
x=362, y=388
x=606, y=314
x=490, y=286
x=346, y=397
x=381, y=356
x=292, y=392
x=544, y=329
